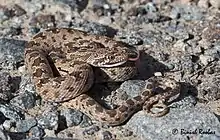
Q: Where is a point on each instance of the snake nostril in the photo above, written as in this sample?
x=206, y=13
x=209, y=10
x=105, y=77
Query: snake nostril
x=158, y=90
x=168, y=88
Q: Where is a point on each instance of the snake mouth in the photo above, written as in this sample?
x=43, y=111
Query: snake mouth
x=113, y=64
x=135, y=58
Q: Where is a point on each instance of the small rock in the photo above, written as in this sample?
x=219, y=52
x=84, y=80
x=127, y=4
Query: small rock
x=17, y=10
x=209, y=90
x=73, y=117
x=25, y=100
x=174, y=14
x=106, y=135
x=185, y=1
x=215, y=3
x=170, y=66
x=205, y=59
x=11, y=113
x=5, y=86
x=9, y=124
x=2, y=118
x=36, y=132
x=12, y=52
x=69, y=133
x=49, y=133
x=96, y=28
x=186, y=102
x=43, y=20
x=136, y=11
x=25, y=125
x=211, y=32
x=4, y=135
x=77, y=5
x=14, y=31
x=135, y=41
x=26, y=85
x=127, y=132
x=185, y=63
x=132, y=87
x=49, y=120
x=33, y=30
x=86, y=121
x=150, y=7
x=180, y=46
x=203, y=3
x=3, y=16
x=98, y=10
x=158, y=74
x=91, y=130
x=105, y=21
x=106, y=6
x=14, y=10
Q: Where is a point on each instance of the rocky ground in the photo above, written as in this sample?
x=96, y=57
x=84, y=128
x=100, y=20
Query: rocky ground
x=176, y=38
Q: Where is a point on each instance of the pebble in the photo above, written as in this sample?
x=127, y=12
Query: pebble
x=25, y=100
x=205, y=59
x=46, y=20
x=2, y=118
x=215, y=3
x=158, y=74
x=135, y=11
x=4, y=135
x=127, y=132
x=5, y=86
x=25, y=125
x=14, y=10
x=105, y=20
x=77, y=5
x=86, y=122
x=203, y=3
x=36, y=132
x=49, y=133
x=49, y=120
x=91, y=130
x=11, y=113
x=106, y=135
x=12, y=52
x=72, y=117
x=17, y=10
x=9, y=124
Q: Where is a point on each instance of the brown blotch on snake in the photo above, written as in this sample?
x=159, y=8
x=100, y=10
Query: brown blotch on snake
x=130, y=102
x=99, y=109
x=111, y=113
x=123, y=108
x=138, y=98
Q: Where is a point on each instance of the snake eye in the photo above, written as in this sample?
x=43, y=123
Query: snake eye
x=110, y=57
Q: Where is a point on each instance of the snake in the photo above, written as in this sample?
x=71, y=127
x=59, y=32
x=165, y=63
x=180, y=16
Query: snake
x=64, y=64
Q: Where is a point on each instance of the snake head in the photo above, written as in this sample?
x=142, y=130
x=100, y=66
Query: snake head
x=107, y=60
x=111, y=57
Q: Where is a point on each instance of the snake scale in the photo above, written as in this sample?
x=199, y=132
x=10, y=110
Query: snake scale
x=64, y=64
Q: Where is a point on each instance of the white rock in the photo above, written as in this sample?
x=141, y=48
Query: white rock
x=203, y=3
x=205, y=59
x=158, y=74
x=215, y=3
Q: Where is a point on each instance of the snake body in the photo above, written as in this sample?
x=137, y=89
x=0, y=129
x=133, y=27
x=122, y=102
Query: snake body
x=64, y=64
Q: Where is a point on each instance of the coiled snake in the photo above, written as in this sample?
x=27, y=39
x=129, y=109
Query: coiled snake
x=64, y=63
